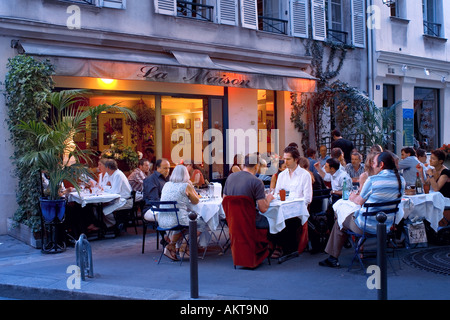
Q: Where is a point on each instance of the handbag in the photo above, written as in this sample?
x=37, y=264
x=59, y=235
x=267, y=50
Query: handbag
x=416, y=233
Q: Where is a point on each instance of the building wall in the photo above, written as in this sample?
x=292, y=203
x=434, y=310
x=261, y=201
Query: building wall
x=9, y=183
x=402, y=52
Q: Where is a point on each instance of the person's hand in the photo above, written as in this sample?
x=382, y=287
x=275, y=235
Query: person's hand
x=317, y=165
x=270, y=196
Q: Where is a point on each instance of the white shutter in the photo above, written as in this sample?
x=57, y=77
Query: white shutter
x=318, y=20
x=358, y=24
x=228, y=12
x=168, y=7
x=299, y=18
x=116, y=4
x=249, y=14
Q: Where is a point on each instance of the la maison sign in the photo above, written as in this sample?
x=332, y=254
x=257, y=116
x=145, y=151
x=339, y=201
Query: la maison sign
x=195, y=76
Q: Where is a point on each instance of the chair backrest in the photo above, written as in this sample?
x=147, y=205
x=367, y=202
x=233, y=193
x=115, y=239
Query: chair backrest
x=388, y=207
x=320, y=201
x=248, y=244
x=164, y=207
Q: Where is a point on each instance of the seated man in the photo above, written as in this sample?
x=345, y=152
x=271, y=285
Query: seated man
x=298, y=182
x=117, y=183
x=337, y=174
x=385, y=185
x=356, y=168
x=407, y=165
x=245, y=183
x=154, y=183
x=136, y=178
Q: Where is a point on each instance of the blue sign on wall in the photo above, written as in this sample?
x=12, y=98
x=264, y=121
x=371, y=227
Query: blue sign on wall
x=408, y=127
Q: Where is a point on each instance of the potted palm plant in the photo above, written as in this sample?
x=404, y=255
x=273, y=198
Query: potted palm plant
x=54, y=152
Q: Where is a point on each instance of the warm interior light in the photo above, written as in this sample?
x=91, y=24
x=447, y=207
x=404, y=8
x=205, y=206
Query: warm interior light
x=107, y=81
x=181, y=121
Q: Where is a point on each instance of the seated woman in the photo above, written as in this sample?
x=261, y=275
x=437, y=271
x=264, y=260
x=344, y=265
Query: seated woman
x=179, y=189
x=195, y=174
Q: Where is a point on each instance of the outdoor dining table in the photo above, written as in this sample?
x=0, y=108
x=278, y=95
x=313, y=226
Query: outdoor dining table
x=427, y=206
x=97, y=200
x=210, y=209
x=279, y=211
x=422, y=206
x=87, y=198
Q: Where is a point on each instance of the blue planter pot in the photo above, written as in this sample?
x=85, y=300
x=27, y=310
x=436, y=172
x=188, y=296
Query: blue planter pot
x=52, y=209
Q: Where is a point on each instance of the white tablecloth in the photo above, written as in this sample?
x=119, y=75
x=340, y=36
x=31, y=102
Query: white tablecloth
x=279, y=211
x=211, y=211
x=87, y=198
x=423, y=206
x=344, y=208
x=426, y=206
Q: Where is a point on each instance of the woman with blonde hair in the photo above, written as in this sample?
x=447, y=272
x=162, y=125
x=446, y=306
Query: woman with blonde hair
x=368, y=169
x=179, y=189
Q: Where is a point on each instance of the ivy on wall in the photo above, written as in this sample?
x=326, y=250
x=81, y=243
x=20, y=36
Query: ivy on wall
x=311, y=110
x=27, y=84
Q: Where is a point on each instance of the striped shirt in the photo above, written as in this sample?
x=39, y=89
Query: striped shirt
x=382, y=187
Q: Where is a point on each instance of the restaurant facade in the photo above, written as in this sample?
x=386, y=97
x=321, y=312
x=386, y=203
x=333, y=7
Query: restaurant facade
x=214, y=84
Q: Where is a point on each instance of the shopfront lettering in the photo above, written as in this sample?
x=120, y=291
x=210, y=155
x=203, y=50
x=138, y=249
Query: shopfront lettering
x=153, y=72
x=207, y=77
x=199, y=76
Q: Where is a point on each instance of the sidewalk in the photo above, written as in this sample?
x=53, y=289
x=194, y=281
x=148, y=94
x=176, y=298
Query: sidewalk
x=122, y=272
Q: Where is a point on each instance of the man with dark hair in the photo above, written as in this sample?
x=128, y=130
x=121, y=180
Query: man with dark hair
x=385, y=185
x=345, y=145
x=137, y=177
x=245, y=183
x=154, y=183
x=408, y=164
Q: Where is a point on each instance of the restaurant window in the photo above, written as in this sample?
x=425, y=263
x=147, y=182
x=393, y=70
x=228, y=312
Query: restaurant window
x=426, y=126
x=266, y=121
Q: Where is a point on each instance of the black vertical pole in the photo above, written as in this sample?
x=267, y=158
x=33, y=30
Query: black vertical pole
x=193, y=254
x=381, y=255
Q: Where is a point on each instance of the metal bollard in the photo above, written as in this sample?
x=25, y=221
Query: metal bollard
x=193, y=254
x=84, y=257
x=381, y=255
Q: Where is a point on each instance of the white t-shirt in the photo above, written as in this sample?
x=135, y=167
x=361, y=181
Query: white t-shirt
x=119, y=184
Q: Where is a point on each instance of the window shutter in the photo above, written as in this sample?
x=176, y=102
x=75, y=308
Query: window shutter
x=168, y=7
x=228, y=12
x=299, y=18
x=249, y=14
x=358, y=24
x=318, y=20
x=116, y=4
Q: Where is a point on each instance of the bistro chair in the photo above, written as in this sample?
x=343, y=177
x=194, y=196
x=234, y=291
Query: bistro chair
x=154, y=225
x=160, y=208
x=249, y=246
x=318, y=222
x=358, y=240
x=126, y=216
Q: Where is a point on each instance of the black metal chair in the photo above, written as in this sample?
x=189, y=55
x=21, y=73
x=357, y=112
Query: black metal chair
x=160, y=208
x=357, y=240
x=318, y=224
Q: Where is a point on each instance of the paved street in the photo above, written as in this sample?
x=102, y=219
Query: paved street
x=122, y=272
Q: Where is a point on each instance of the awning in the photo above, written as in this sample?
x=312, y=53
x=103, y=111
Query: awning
x=175, y=67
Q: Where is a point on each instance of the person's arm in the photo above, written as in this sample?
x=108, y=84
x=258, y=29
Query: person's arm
x=263, y=204
x=192, y=194
x=439, y=183
x=319, y=169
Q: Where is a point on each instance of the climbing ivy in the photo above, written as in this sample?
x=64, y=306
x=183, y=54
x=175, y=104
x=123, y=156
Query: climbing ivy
x=27, y=84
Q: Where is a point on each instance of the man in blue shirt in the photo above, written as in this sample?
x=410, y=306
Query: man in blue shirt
x=385, y=185
x=408, y=165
